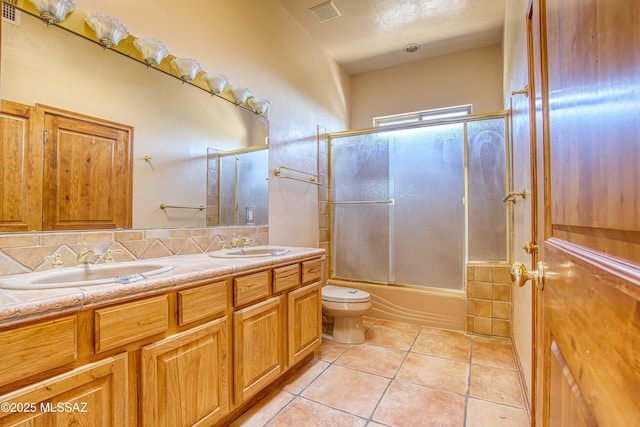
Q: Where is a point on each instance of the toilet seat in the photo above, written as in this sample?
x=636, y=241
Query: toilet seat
x=345, y=295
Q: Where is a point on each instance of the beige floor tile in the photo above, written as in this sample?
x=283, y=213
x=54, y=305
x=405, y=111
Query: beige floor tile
x=367, y=322
x=373, y=359
x=436, y=372
x=412, y=405
x=493, y=352
x=304, y=376
x=399, y=325
x=264, y=410
x=304, y=413
x=496, y=384
x=454, y=346
x=347, y=389
x=481, y=413
x=330, y=350
x=390, y=337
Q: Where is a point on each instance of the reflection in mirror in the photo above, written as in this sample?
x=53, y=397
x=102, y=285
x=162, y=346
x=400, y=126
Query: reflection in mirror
x=238, y=181
x=174, y=123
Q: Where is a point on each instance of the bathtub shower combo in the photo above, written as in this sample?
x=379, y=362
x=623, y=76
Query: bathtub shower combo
x=412, y=206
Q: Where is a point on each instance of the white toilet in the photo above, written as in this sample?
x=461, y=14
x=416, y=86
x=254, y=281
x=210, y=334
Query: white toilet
x=345, y=307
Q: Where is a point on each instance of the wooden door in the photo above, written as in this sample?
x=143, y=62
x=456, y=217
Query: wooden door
x=87, y=173
x=586, y=60
x=185, y=377
x=259, y=346
x=20, y=169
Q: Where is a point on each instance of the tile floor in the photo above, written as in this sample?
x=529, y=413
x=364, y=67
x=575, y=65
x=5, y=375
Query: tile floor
x=404, y=375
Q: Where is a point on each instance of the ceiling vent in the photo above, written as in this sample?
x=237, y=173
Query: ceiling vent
x=325, y=11
x=9, y=12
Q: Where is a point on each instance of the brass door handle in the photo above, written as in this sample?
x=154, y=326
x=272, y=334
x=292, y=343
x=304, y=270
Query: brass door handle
x=530, y=247
x=520, y=275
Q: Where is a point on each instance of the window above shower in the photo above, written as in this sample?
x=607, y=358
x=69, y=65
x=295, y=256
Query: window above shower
x=424, y=116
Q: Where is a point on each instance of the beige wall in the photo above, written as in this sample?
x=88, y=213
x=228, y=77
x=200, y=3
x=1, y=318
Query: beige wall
x=472, y=77
x=515, y=73
x=256, y=44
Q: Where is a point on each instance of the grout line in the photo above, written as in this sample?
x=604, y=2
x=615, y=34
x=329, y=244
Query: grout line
x=394, y=377
x=468, y=395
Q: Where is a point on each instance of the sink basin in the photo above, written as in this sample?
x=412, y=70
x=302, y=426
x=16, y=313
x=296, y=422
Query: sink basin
x=257, y=251
x=93, y=275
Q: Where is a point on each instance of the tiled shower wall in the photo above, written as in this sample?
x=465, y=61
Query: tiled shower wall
x=489, y=299
x=25, y=252
x=324, y=209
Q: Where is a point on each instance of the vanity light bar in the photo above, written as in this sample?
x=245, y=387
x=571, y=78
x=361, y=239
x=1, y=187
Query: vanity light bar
x=75, y=22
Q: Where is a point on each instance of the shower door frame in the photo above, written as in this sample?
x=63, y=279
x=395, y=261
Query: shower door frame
x=501, y=114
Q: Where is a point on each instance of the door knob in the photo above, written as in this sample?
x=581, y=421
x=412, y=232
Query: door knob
x=520, y=275
x=530, y=247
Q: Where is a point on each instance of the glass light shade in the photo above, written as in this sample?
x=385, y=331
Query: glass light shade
x=107, y=28
x=153, y=51
x=239, y=94
x=187, y=68
x=259, y=105
x=216, y=82
x=54, y=11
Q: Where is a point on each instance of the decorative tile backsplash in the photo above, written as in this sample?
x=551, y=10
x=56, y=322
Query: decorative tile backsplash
x=26, y=252
x=489, y=299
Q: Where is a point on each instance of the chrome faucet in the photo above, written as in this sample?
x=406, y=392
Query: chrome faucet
x=85, y=256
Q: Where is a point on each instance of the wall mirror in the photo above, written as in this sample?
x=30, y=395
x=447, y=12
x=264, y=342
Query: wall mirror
x=175, y=124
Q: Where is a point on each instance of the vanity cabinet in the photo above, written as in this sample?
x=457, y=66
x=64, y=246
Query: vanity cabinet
x=185, y=377
x=259, y=346
x=305, y=321
x=198, y=354
x=92, y=395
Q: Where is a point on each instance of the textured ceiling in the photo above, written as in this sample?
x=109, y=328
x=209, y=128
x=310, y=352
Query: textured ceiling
x=370, y=34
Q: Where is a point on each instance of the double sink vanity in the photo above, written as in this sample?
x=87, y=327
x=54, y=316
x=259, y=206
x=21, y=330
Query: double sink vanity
x=182, y=340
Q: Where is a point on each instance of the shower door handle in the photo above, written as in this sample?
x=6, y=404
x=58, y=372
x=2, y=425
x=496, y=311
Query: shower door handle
x=520, y=275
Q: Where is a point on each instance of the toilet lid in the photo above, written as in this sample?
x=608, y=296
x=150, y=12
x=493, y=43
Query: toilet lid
x=340, y=294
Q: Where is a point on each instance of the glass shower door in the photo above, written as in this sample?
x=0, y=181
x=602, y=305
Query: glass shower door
x=412, y=206
x=428, y=225
x=360, y=171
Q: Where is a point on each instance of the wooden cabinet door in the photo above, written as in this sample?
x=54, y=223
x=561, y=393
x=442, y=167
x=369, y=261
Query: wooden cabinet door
x=259, y=346
x=20, y=170
x=92, y=395
x=185, y=377
x=87, y=173
x=305, y=321
x=587, y=309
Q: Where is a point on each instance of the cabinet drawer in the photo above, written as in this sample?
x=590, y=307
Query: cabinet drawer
x=250, y=288
x=311, y=271
x=37, y=348
x=125, y=323
x=286, y=277
x=204, y=301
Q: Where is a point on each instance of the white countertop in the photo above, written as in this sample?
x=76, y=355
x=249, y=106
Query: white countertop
x=17, y=306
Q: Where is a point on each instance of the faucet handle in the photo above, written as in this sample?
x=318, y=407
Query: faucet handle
x=108, y=258
x=246, y=242
x=57, y=261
